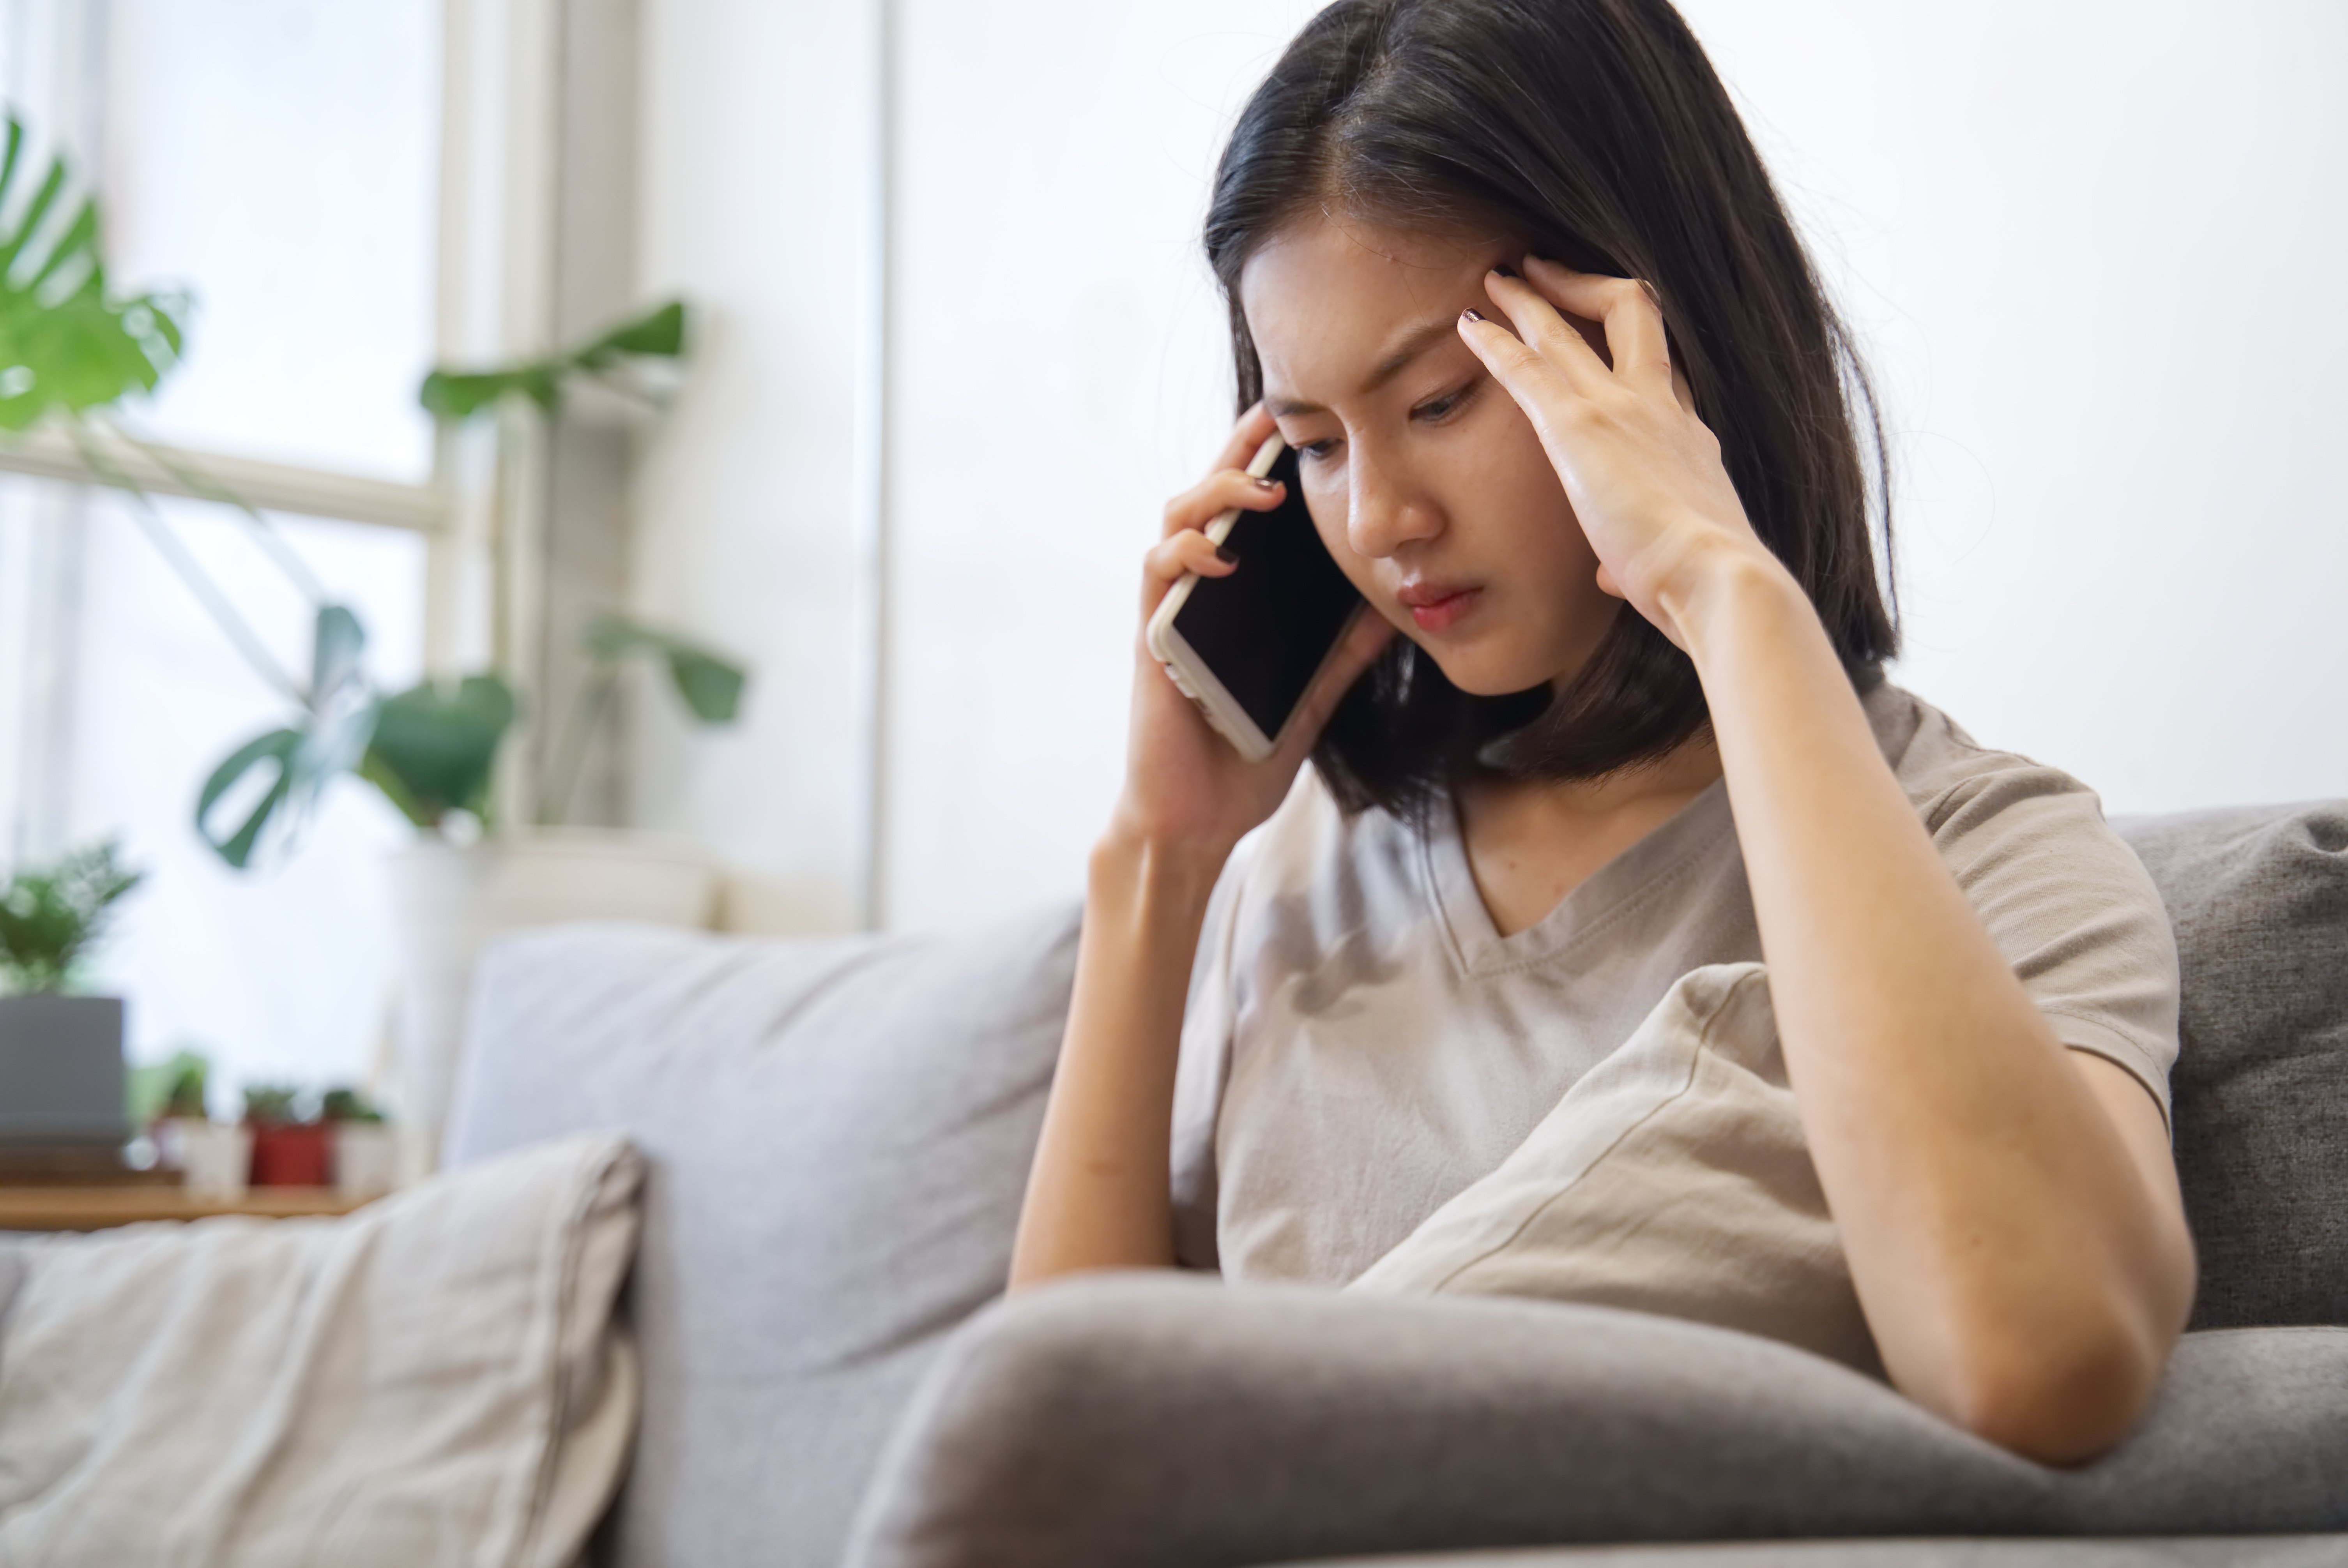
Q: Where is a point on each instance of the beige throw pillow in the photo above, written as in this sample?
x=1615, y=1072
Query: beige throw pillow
x=435, y=1380
x=1672, y=1179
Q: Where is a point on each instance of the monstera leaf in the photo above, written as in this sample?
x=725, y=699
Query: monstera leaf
x=331, y=736
x=710, y=687
x=659, y=333
x=434, y=747
x=65, y=345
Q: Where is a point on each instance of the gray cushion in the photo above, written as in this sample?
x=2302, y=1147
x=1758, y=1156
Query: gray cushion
x=838, y=1135
x=1156, y=1421
x=2192, y=1552
x=2260, y=899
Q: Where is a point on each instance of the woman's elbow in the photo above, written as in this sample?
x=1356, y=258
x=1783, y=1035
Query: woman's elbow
x=2063, y=1398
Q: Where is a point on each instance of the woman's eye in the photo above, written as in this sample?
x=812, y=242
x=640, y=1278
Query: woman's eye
x=1437, y=408
x=1316, y=450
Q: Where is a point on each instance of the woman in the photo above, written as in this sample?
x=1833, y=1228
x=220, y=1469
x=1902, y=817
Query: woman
x=1571, y=412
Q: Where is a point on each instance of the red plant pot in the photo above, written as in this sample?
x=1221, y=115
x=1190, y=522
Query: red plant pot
x=286, y=1154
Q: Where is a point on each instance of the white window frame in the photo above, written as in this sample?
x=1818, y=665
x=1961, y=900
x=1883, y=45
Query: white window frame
x=493, y=301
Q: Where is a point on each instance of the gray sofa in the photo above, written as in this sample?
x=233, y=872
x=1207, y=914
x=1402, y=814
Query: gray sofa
x=839, y=1131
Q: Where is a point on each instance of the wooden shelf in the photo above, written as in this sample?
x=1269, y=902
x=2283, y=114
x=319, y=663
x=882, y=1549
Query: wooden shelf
x=64, y=1208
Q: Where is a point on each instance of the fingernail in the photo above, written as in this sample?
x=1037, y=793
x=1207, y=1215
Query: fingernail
x=1505, y=269
x=1472, y=314
x=1223, y=554
x=1267, y=484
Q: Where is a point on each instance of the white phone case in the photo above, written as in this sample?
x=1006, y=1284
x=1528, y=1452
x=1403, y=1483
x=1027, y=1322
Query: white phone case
x=1183, y=665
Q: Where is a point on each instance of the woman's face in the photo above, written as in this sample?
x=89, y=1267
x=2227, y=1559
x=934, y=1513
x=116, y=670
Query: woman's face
x=1424, y=478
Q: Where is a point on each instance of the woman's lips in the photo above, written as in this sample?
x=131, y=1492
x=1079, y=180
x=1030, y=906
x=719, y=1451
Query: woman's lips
x=1438, y=606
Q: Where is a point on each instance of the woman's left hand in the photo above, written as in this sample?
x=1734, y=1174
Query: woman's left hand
x=1642, y=471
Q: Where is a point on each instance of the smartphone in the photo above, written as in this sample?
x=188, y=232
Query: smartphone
x=1246, y=647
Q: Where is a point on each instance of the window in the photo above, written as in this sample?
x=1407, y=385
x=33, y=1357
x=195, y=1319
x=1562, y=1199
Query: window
x=280, y=161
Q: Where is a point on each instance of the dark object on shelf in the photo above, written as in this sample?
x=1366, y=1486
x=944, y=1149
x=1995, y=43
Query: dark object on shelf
x=61, y=1076
x=40, y=1162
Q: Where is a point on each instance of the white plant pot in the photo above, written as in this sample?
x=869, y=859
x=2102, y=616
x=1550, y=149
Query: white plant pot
x=215, y=1162
x=452, y=901
x=367, y=1159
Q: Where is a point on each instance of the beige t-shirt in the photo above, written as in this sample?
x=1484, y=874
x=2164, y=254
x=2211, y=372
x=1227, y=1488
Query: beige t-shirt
x=1361, y=1043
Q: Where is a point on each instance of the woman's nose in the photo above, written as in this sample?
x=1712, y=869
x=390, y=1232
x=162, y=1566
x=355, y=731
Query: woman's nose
x=1383, y=514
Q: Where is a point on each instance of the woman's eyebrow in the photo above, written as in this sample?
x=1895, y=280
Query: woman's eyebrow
x=1419, y=340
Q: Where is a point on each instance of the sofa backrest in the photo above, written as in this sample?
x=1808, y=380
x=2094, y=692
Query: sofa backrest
x=838, y=1134
x=2258, y=897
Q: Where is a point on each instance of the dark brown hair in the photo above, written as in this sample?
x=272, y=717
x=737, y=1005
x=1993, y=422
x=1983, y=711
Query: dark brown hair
x=1596, y=132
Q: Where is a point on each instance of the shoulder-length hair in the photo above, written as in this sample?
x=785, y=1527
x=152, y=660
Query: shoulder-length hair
x=1596, y=132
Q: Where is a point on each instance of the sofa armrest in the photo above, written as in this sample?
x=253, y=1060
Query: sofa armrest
x=1160, y=1421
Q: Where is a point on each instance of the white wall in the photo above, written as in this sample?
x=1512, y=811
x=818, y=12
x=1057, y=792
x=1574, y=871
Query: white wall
x=2095, y=252
x=751, y=189
x=1061, y=368
x=2088, y=246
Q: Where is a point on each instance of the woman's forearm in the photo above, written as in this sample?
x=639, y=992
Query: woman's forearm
x=2004, y=1243
x=1097, y=1196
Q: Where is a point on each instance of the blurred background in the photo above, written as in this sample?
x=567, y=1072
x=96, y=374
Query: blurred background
x=952, y=344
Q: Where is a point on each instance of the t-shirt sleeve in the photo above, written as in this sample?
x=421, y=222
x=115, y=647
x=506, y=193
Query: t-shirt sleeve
x=2069, y=905
x=1202, y=1068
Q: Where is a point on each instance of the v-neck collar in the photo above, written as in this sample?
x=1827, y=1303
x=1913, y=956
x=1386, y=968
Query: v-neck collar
x=1631, y=880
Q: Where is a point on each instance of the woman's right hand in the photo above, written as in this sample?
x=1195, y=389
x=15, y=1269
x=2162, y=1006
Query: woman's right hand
x=1186, y=787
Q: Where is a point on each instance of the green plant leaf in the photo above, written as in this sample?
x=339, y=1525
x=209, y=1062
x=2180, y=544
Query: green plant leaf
x=65, y=344
x=8, y=165
x=709, y=685
x=377, y=771
x=342, y=716
x=51, y=918
x=28, y=222
x=172, y=1088
x=439, y=745
x=346, y=1104
x=336, y=645
x=459, y=394
x=328, y=741
x=277, y=746
x=272, y=1105
x=76, y=246
x=659, y=332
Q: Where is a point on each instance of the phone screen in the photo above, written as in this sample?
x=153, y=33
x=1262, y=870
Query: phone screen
x=1265, y=629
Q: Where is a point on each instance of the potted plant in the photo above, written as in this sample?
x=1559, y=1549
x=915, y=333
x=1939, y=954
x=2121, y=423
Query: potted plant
x=167, y=1098
x=365, y=1154
x=289, y=1149
x=213, y=1160
x=61, y=1073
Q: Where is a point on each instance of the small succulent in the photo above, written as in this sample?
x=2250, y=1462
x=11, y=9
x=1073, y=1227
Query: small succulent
x=172, y=1086
x=349, y=1105
x=185, y=1094
x=272, y=1105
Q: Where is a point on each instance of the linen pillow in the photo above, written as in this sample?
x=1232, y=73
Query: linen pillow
x=434, y=1378
x=1673, y=1179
